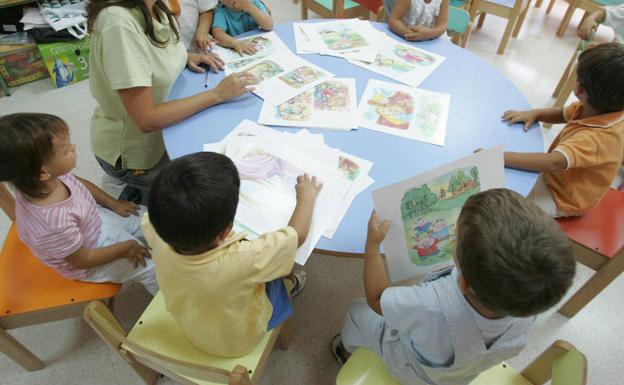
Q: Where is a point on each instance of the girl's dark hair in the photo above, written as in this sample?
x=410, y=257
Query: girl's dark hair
x=159, y=9
x=25, y=146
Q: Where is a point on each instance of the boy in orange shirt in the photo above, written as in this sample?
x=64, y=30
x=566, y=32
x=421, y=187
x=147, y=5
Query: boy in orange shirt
x=584, y=158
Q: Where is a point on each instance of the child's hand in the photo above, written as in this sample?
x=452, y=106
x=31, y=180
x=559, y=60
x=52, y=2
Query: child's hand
x=245, y=48
x=526, y=117
x=138, y=253
x=243, y=5
x=307, y=188
x=203, y=42
x=376, y=231
x=125, y=208
x=418, y=33
x=586, y=28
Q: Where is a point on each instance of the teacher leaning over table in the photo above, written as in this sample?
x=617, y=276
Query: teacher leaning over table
x=136, y=56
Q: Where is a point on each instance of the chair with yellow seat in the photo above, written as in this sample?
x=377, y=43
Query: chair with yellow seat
x=32, y=293
x=333, y=9
x=561, y=363
x=155, y=345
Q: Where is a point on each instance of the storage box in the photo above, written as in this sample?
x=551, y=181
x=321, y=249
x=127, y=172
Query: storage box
x=21, y=64
x=67, y=62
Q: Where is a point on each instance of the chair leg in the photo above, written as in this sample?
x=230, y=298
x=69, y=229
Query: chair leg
x=601, y=279
x=520, y=20
x=551, y=4
x=304, y=9
x=538, y=3
x=286, y=333
x=566, y=74
x=564, y=93
x=18, y=353
x=466, y=36
x=510, y=25
x=565, y=22
x=4, y=86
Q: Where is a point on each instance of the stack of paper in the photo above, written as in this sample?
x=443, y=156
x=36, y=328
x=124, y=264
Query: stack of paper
x=269, y=162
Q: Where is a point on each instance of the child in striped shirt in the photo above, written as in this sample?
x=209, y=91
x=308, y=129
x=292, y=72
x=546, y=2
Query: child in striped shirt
x=69, y=223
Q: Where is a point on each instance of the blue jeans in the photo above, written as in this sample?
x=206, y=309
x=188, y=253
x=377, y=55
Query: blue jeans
x=278, y=296
x=137, y=181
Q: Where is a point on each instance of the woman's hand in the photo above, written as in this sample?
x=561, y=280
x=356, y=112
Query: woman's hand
x=195, y=60
x=235, y=85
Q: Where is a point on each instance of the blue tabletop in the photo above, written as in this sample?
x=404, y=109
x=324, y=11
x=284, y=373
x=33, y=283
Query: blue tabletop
x=479, y=96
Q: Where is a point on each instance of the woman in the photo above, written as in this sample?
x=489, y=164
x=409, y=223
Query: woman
x=136, y=56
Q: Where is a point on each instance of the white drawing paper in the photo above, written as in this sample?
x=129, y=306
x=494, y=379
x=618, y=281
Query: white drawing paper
x=424, y=209
x=341, y=35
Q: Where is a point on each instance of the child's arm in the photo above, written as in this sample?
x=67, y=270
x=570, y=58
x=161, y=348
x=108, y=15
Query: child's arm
x=395, y=20
x=549, y=162
x=203, y=40
x=123, y=208
x=590, y=24
x=421, y=32
x=547, y=115
x=7, y=202
x=264, y=20
x=228, y=41
x=375, y=278
x=85, y=258
x=307, y=190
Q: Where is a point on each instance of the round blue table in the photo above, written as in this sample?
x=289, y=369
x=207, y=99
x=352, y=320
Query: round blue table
x=479, y=96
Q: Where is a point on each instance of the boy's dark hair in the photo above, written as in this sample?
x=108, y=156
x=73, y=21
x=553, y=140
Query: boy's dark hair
x=25, y=147
x=601, y=73
x=193, y=199
x=516, y=259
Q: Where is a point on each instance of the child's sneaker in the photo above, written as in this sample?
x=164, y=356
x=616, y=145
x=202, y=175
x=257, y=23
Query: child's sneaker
x=299, y=279
x=338, y=350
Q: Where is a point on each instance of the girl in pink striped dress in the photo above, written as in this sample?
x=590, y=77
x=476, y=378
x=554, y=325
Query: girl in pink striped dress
x=69, y=223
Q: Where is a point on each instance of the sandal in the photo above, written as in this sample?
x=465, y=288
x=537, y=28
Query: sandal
x=299, y=279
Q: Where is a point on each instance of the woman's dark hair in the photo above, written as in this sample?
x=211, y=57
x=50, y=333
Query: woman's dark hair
x=25, y=147
x=159, y=9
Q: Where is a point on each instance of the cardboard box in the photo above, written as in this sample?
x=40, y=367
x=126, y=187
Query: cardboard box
x=67, y=62
x=21, y=64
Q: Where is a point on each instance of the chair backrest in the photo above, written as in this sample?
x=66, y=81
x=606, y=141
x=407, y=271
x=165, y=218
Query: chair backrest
x=458, y=19
x=99, y=317
x=570, y=369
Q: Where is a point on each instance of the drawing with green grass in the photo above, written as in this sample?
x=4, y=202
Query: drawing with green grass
x=429, y=213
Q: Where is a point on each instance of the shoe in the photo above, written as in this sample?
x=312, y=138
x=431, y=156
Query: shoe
x=338, y=350
x=299, y=279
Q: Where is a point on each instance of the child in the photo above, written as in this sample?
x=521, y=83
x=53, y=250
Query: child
x=586, y=155
x=463, y=320
x=610, y=16
x=57, y=214
x=417, y=20
x=224, y=291
x=234, y=17
x=195, y=21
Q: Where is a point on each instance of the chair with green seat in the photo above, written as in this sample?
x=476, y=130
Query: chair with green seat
x=155, y=346
x=561, y=363
x=333, y=9
x=459, y=25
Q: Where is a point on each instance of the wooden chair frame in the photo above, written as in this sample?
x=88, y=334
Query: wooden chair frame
x=338, y=11
x=515, y=17
x=586, y=5
x=539, y=371
x=148, y=364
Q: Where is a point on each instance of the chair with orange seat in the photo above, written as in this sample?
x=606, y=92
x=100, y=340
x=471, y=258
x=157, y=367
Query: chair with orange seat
x=598, y=241
x=32, y=293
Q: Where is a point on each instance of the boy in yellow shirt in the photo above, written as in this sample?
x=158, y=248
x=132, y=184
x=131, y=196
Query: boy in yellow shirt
x=585, y=157
x=224, y=291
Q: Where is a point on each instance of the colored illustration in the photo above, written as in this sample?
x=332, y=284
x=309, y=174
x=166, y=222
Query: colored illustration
x=331, y=96
x=238, y=64
x=342, y=38
x=260, y=43
x=64, y=72
x=301, y=76
x=348, y=168
x=390, y=108
x=265, y=69
x=413, y=55
x=428, y=115
x=430, y=211
x=298, y=108
x=394, y=64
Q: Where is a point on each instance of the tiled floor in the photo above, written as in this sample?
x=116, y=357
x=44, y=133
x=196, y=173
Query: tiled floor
x=74, y=355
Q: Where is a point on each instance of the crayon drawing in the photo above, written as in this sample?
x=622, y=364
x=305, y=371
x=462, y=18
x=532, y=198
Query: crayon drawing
x=390, y=108
x=430, y=211
x=331, y=96
x=265, y=69
x=298, y=108
x=349, y=169
x=301, y=76
x=413, y=55
x=394, y=64
x=342, y=38
x=236, y=65
x=260, y=43
x=428, y=115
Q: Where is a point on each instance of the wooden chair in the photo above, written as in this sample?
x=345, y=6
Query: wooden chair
x=459, y=25
x=32, y=293
x=573, y=5
x=561, y=362
x=156, y=345
x=515, y=16
x=598, y=241
x=333, y=9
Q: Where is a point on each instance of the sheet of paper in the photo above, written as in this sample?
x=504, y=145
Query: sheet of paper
x=404, y=111
x=265, y=43
x=330, y=104
x=403, y=62
x=303, y=44
x=342, y=35
x=424, y=209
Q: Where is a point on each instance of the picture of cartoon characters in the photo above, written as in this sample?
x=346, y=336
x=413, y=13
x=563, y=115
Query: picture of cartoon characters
x=390, y=108
x=301, y=76
x=298, y=108
x=394, y=64
x=235, y=65
x=348, y=168
x=331, y=96
x=64, y=72
x=342, y=38
x=265, y=70
x=413, y=55
x=429, y=213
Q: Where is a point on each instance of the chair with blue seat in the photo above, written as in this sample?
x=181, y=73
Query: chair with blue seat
x=155, y=346
x=561, y=363
x=459, y=25
x=333, y=9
